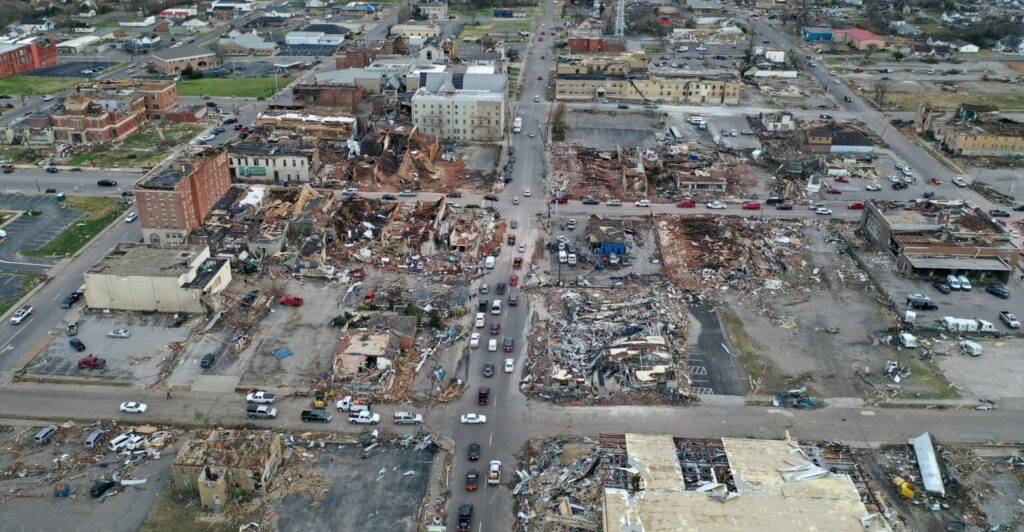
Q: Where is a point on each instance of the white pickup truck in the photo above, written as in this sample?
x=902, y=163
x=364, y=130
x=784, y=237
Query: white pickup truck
x=261, y=398
x=363, y=418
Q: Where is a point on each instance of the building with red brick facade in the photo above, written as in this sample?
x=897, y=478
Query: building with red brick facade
x=21, y=55
x=175, y=200
x=92, y=116
x=360, y=53
x=326, y=97
x=593, y=41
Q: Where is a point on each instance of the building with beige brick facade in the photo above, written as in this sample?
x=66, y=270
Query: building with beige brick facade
x=173, y=201
x=692, y=89
x=173, y=61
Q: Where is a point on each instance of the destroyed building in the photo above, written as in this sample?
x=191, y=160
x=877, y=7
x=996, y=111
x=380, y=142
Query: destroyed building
x=321, y=125
x=365, y=352
x=600, y=344
x=934, y=239
x=227, y=464
x=607, y=236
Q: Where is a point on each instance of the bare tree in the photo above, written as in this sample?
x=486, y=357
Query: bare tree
x=881, y=91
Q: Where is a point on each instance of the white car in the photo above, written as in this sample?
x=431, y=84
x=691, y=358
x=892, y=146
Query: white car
x=47, y=98
x=643, y=203
x=836, y=81
x=474, y=340
x=479, y=320
x=473, y=419
x=960, y=182
x=893, y=179
x=833, y=73
x=908, y=179
x=823, y=211
x=133, y=407
x=873, y=188
x=20, y=314
x=716, y=205
x=526, y=192
x=522, y=248
x=1010, y=320
x=536, y=97
x=510, y=365
x=205, y=138
x=119, y=333
x=131, y=217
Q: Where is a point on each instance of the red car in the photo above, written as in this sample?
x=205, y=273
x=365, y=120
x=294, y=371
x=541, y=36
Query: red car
x=92, y=361
x=855, y=205
x=842, y=179
x=291, y=301
x=472, y=480
x=834, y=190
x=513, y=281
x=687, y=204
x=751, y=206
x=560, y=201
x=936, y=181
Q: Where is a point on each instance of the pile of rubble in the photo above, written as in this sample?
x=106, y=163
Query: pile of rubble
x=558, y=486
x=610, y=346
x=745, y=253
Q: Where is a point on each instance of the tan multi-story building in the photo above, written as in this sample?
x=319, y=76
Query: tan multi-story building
x=227, y=464
x=573, y=87
x=173, y=201
x=473, y=112
x=998, y=138
x=606, y=64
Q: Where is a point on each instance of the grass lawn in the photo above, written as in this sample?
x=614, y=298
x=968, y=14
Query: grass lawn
x=35, y=85
x=227, y=87
x=746, y=352
x=24, y=155
x=469, y=12
x=99, y=213
x=27, y=282
x=142, y=148
x=926, y=381
x=1006, y=101
x=477, y=31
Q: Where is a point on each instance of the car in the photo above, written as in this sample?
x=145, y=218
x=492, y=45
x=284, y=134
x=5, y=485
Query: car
x=716, y=205
x=53, y=169
x=106, y=183
x=473, y=419
x=1009, y=319
x=908, y=179
x=786, y=205
x=92, y=361
x=454, y=194
x=488, y=370
x=614, y=203
x=508, y=344
x=998, y=213
x=389, y=197
x=526, y=192
x=72, y=298
x=825, y=116
x=407, y=194
x=261, y=398
x=119, y=333
x=873, y=188
x=623, y=106
x=539, y=77
x=536, y=97
x=942, y=287
x=751, y=206
x=228, y=121
x=208, y=360
x=131, y=217
x=893, y=179
x=501, y=289
x=532, y=134
x=465, y=517
x=899, y=186
x=748, y=131
x=521, y=249
x=936, y=181
x=291, y=300
x=998, y=289
x=643, y=203
x=855, y=205
x=513, y=281
x=206, y=137
x=823, y=211
x=315, y=415
x=495, y=329
x=133, y=407
x=363, y=417
x=960, y=182
x=928, y=195
x=474, y=340
x=472, y=480
x=835, y=81
x=473, y=452
x=590, y=200
x=48, y=97
x=102, y=486
x=842, y=179
x=686, y=204
x=494, y=472
x=260, y=411
x=217, y=131
x=491, y=197
x=847, y=99
x=921, y=302
x=833, y=73
x=510, y=365
x=76, y=344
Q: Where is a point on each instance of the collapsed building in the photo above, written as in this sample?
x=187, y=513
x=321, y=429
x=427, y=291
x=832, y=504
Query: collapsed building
x=658, y=482
x=600, y=344
x=227, y=464
x=933, y=239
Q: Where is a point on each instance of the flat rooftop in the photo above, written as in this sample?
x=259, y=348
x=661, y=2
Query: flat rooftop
x=166, y=178
x=139, y=260
x=930, y=262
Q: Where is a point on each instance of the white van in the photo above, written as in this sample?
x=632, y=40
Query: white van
x=492, y=346
x=964, y=283
x=572, y=259
x=489, y=263
x=562, y=257
x=496, y=307
x=517, y=125
x=953, y=282
x=479, y=320
x=119, y=442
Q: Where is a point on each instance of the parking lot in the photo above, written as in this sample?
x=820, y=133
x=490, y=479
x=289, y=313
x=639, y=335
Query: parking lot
x=135, y=360
x=32, y=232
x=641, y=259
x=306, y=50
x=724, y=126
x=609, y=130
x=72, y=70
x=996, y=375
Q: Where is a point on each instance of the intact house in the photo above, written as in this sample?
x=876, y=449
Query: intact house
x=173, y=61
x=934, y=239
x=144, y=278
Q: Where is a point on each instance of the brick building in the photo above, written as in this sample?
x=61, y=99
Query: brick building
x=325, y=97
x=593, y=41
x=98, y=115
x=360, y=53
x=175, y=200
x=172, y=61
x=22, y=55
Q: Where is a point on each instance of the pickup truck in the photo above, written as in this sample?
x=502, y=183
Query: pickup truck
x=92, y=361
x=363, y=418
x=260, y=411
x=261, y=398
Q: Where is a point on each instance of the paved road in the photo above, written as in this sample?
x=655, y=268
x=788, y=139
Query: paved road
x=38, y=180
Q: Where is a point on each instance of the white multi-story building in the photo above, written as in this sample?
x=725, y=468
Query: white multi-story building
x=473, y=112
x=282, y=161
